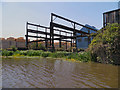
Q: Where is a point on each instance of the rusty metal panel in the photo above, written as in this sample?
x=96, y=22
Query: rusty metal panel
x=111, y=17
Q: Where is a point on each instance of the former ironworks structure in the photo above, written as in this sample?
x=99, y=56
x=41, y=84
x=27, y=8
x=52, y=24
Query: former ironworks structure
x=57, y=32
x=111, y=17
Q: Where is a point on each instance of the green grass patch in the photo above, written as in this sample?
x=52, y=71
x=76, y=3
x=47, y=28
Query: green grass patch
x=83, y=56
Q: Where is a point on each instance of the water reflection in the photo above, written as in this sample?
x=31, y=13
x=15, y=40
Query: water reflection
x=50, y=73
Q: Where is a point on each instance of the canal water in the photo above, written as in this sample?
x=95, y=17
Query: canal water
x=56, y=73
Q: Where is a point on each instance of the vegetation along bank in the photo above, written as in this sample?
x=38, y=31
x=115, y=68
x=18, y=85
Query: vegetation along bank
x=83, y=56
x=104, y=48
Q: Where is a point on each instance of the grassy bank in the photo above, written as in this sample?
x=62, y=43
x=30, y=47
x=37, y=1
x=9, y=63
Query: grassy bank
x=83, y=56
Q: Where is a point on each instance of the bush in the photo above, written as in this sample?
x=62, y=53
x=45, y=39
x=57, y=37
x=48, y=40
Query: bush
x=7, y=53
x=34, y=52
x=83, y=56
x=105, y=47
x=81, y=49
x=45, y=54
x=59, y=54
x=13, y=48
x=21, y=48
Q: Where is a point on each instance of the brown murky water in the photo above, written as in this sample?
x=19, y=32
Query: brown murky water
x=51, y=73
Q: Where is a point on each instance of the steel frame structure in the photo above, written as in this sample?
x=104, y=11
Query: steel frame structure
x=50, y=33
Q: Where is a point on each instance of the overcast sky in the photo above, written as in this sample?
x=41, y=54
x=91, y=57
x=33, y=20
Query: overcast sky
x=15, y=15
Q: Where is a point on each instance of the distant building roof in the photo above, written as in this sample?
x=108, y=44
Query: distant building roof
x=11, y=38
x=111, y=11
x=2, y=38
x=86, y=29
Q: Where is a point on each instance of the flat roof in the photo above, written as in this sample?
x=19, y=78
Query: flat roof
x=111, y=11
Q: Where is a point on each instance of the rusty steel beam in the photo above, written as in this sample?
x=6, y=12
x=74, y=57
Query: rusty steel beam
x=38, y=37
x=41, y=32
x=47, y=38
x=72, y=21
x=82, y=35
x=68, y=28
x=63, y=31
x=61, y=39
x=47, y=27
x=38, y=25
x=36, y=41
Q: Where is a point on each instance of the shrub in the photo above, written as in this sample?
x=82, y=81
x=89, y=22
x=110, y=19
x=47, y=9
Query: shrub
x=34, y=52
x=45, y=54
x=13, y=48
x=7, y=53
x=105, y=47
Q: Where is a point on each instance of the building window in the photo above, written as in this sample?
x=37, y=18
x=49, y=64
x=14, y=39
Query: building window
x=85, y=39
x=79, y=40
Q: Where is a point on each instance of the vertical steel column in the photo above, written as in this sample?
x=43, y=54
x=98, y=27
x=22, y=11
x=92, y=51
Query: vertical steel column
x=89, y=39
x=27, y=35
x=103, y=20
x=66, y=42
x=52, y=37
x=66, y=45
x=60, y=40
x=71, y=40
x=51, y=26
x=75, y=37
x=37, y=40
x=46, y=41
x=52, y=32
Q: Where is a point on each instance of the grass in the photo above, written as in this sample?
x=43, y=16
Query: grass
x=83, y=56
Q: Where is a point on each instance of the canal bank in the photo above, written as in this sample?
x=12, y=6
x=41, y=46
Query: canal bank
x=81, y=57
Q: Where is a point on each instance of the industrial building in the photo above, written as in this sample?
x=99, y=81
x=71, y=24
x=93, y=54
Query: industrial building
x=111, y=17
